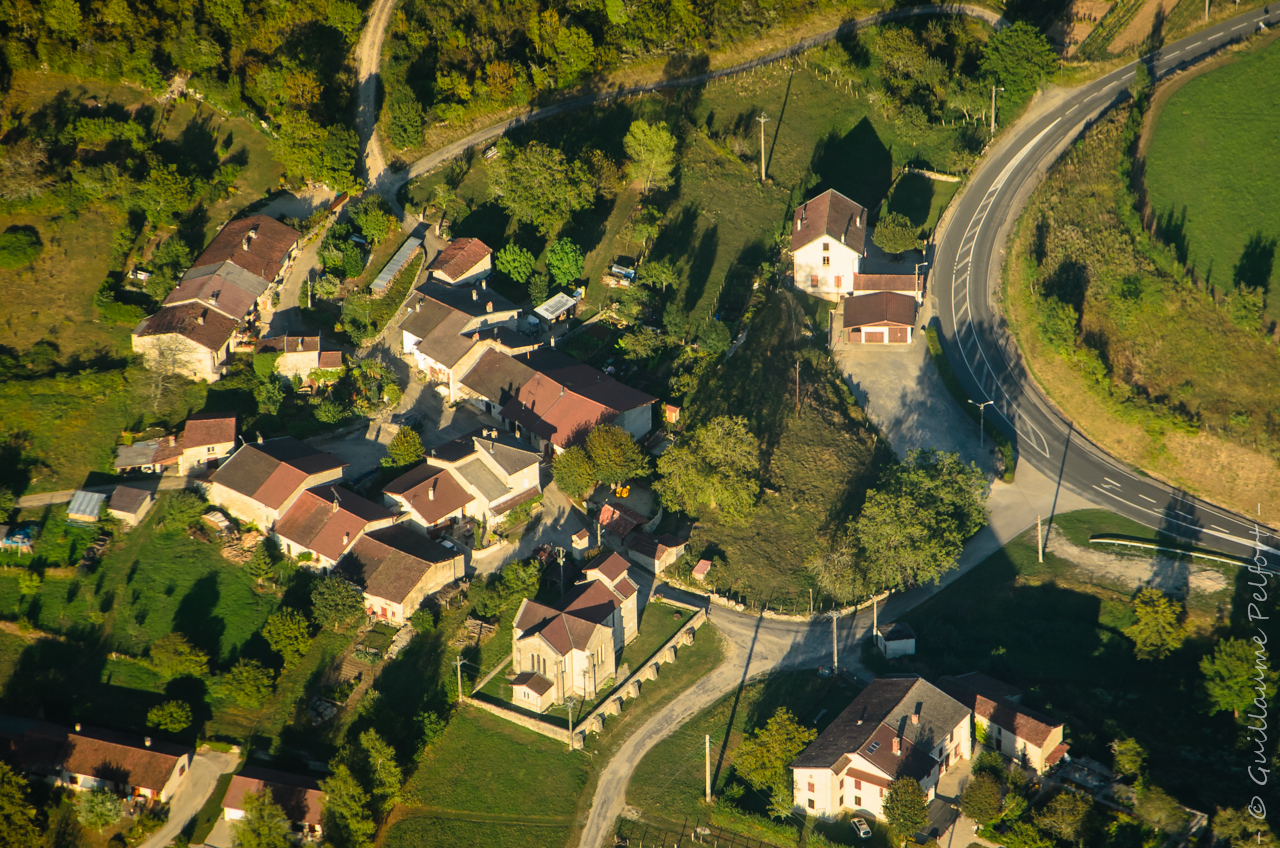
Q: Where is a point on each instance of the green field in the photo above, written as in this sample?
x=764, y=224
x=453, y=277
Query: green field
x=921, y=199
x=1055, y=632
x=1213, y=189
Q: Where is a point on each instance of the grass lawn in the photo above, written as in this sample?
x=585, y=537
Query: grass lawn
x=660, y=623
x=921, y=200
x=820, y=464
x=208, y=816
x=1211, y=187
x=424, y=831
x=1048, y=630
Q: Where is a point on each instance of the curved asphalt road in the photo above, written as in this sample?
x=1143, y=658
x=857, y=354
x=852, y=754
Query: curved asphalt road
x=966, y=276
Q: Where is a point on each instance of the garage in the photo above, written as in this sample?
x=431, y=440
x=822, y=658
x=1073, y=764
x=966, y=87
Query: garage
x=873, y=336
x=879, y=318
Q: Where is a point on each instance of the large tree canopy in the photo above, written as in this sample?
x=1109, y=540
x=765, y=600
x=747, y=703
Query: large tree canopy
x=652, y=151
x=1236, y=675
x=537, y=185
x=1019, y=57
x=764, y=758
x=712, y=468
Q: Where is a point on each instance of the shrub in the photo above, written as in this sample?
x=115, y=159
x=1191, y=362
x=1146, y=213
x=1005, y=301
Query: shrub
x=19, y=246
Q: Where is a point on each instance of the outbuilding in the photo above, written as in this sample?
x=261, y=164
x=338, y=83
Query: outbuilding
x=86, y=507
x=879, y=318
x=129, y=504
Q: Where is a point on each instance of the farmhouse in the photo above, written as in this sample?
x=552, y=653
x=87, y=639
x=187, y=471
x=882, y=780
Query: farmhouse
x=1029, y=738
x=900, y=726
x=300, y=356
x=877, y=318
x=445, y=334
x=138, y=768
x=261, y=481
x=397, y=567
x=465, y=261
x=570, y=648
x=299, y=797
x=497, y=469
x=828, y=241
x=189, y=339
x=207, y=438
x=325, y=522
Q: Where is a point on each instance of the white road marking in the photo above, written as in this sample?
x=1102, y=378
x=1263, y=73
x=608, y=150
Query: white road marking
x=1248, y=543
x=1112, y=482
x=1216, y=527
x=1171, y=55
x=1145, y=498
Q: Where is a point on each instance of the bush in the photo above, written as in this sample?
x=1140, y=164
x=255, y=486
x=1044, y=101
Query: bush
x=98, y=808
x=19, y=246
x=182, y=509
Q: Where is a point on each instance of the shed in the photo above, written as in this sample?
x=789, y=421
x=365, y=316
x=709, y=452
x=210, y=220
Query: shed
x=86, y=507
x=700, y=570
x=581, y=539
x=398, y=261
x=896, y=640
x=129, y=504
x=559, y=307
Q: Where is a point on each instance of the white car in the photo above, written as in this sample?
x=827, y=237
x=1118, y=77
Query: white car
x=860, y=825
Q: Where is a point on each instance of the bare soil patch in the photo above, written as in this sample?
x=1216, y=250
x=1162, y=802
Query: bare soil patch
x=1077, y=22
x=1140, y=27
x=1166, y=573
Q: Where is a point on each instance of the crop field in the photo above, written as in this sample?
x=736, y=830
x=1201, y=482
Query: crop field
x=1214, y=191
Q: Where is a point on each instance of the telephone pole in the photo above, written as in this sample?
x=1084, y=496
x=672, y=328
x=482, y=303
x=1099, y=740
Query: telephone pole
x=458, y=664
x=1039, y=542
x=762, y=118
x=994, y=89
x=835, y=644
x=708, y=768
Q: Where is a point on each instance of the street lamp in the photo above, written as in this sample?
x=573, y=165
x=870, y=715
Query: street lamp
x=994, y=89
x=981, y=419
x=918, y=266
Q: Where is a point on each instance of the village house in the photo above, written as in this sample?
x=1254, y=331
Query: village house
x=325, y=522
x=896, y=640
x=466, y=261
x=129, y=505
x=218, y=301
x=430, y=495
x=497, y=469
x=206, y=438
x=570, y=648
x=261, y=481
x=656, y=553
x=397, y=568
x=899, y=726
x=299, y=797
x=828, y=241
x=1027, y=737
x=445, y=333
x=909, y=284
x=876, y=318
x=300, y=357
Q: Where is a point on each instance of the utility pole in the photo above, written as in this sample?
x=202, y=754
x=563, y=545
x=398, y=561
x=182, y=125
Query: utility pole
x=458, y=663
x=835, y=645
x=1039, y=543
x=708, y=768
x=568, y=708
x=981, y=419
x=810, y=602
x=762, y=118
x=1206, y=10
x=994, y=89
x=797, y=389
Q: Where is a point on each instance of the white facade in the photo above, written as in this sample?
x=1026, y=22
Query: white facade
x=825, y=267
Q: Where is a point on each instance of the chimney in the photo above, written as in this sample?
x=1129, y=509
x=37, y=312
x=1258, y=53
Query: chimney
x=213, y=298
x=346, y=539
x=484, y=284
x=146, y=740
x=475, y=295
x=915, y=718
x=77, y=727
x=897, y=747
x=842, y=238
x=200, y=318
x=259, y=437
x=335, y=502
x=553, y=341
x=488, y=307
x=860, y=211
x=797, y=223
x=431, y=493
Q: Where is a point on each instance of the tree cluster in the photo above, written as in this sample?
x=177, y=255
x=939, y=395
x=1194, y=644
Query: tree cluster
x=712, y=469
x=609, y=455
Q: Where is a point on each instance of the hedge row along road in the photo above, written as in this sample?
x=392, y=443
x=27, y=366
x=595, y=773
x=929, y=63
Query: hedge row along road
x=966, y=278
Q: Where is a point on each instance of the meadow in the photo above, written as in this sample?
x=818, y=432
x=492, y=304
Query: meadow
x=1212, y=189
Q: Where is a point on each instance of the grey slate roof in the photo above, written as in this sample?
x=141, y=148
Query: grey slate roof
x=478, y=475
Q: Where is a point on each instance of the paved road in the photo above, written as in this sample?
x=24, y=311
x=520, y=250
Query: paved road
x=368, y=61
x=966, y=279
x=151, y=484
x=187, y=801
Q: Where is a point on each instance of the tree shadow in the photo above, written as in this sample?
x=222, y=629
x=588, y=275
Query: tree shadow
x=683, y=66
x=856, y=164
x=195, y=149
x=1068, y=283
x=194, y=617
x=700, y=265
x=1172, y=229
x=1253, y=269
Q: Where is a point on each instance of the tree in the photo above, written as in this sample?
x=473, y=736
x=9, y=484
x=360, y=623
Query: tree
x=98, y=808
x=764, y=758
x=345, y=815
x=652, y=151
x=658, y=275
x=565, y=261
x=1236, y=675
x=173, y=656
x=1241, y=829
x=379, y=771
x=264, y=365
x=18, y=827
x=514, y=261
x=264, y=824
x=713, y=337
x=269, y=396
x=259, y=565
x=641, y=344
x=712, y=468
x=1019, y=57
x=22, y=170
x=164, y=194
x=895, y=233
x=538, y=185
x=1057, y=322
x=288, y=633
x=404, y=449
x=248, y=683
x=615, y=456
x=981, y=799
x=1065, y=816
x=574, y=52
x=8, y=501
x=182, y=509
x=1157, y=632
x=327, y=286
x=539, y=288
x=19, y=246
x=404, y=118
x=573, y=472
x=519, y=580
x=905, y=808
x=432, y=726
x=675, y=320
x=336, y=603
x=1159, y=810
x=374, y=218
x=1127, y=757
x=991, y=764
x=836, y=573
x=914, y=524
x=171, y=716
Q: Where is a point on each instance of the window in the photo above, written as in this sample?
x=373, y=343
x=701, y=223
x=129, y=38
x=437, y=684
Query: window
x=839, y=280
x=813, y=281
x=873, y=747
x=826, y=246
x=812, y=805
x=857, y=800
x=842, y=783
x=857, y=784
x=182, y=770
x=882, y=792
x=826, y=261
x=841, y=802
x=811, y=787
x=211, y=449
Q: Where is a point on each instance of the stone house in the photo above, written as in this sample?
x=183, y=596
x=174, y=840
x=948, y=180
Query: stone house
x=497, y=469
x=466, y=261
x=1027, y=737
x=300, y=356
x=299, y=797
x=430, y=495
x=828, y=241
x=207, y=438
x=260, y=481
x=899, y=726
x=135, y=768
x=325, y=522
x=397, y=567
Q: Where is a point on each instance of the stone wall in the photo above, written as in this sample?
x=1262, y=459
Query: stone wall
x=529, y=723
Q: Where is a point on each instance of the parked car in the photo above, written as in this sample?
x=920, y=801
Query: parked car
x=860, y=825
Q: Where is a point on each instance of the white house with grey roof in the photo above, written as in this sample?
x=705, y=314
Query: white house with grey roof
x=498, y=470
x=900, y=726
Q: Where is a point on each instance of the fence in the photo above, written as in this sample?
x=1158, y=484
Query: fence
x=638, y=834
x=738, y=606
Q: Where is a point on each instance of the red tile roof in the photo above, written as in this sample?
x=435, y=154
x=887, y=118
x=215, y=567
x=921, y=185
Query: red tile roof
x=434, y=493
x=328, y=519
x=217, y=292
x=390, y=563
x=610, y=564
x=267, y=250
x=885, y=282
x=299, y=796
x=288, y=344
x=209, y=428
x=620, y=519
x=271, y=472
x=122, y=759
x=460, y=257
x=994, y=701
x=533, y=681
x=879, y=308
x=1056, y=754
x=206, y=327
x=832, y=215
